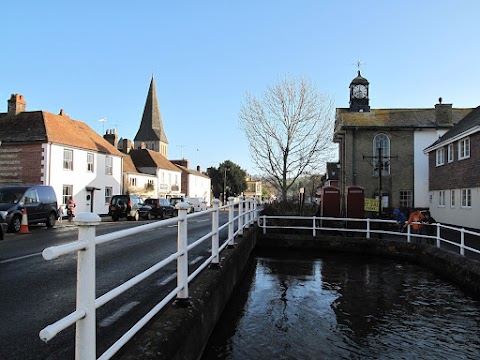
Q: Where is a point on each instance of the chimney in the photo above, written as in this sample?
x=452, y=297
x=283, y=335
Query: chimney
x=443, y=114
x=127, y=145
x=184, y=162
x=111, y=136
x=199, y=169
x=16, y=104
x=62, y=113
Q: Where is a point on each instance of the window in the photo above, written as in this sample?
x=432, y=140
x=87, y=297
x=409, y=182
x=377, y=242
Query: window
x=381, y=154
x=108, y=165
x=440, y=156
x=464, y=149
x=67, y=193
x=67, y=159
x=441, y=198
x=108, y=194
x=133, y=181
x=452, y=198
x=450, y=153
x=406, y=198
x=90, y=163
x=466, y=198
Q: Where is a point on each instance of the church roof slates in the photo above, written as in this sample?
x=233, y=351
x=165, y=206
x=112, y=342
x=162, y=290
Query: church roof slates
x=151, y=126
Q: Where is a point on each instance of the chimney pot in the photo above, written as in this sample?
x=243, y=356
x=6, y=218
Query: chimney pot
x=16, y=104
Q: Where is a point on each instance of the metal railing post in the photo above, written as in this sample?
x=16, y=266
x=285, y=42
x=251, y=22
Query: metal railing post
x=240, y=215
x=264, y=224
x=408, y=233
x=85, y=336
x=462, y=242
x=314, y=226
x=247, y=212
x=438, y=235
x=182, y=261
x=368, y=228
x=230, y=221
x=255, y=214
x=215, y=221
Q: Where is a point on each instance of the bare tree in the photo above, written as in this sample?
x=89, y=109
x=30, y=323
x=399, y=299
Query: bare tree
x=289, y=131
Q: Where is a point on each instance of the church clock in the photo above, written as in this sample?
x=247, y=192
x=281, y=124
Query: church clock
x=359, y=101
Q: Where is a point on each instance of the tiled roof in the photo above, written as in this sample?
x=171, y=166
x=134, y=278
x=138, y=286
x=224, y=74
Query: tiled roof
x=42, y=126
x=393, y=117
x=149, y=158
x=467, y=123
x=191, y=172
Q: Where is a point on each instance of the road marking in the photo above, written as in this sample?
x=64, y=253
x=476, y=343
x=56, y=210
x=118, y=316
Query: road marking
x=168, y=279
x=19, y=258
x=118, y=314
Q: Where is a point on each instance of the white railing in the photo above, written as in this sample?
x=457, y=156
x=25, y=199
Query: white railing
x=84, y=315
x=371, y=226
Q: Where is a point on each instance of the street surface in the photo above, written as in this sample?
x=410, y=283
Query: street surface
x=35, y=292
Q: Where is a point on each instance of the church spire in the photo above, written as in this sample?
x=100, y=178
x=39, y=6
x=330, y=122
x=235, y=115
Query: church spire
x=151, y=131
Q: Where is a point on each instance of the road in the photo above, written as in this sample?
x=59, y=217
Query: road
x=36, y=293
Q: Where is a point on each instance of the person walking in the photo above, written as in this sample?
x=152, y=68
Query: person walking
x=401, y=218
x=415, y=219
x=71, y=209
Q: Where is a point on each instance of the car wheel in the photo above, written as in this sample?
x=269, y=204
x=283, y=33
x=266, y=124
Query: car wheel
x=148, y=216
x=114, y=218
x=163, y=214
x=137, y=216
x=52, y=218
x=16, y=223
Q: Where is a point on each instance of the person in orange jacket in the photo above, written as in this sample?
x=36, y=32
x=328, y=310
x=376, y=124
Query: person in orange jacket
x=415, y=217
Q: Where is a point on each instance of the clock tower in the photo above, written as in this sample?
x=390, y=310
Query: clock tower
x=359, y=101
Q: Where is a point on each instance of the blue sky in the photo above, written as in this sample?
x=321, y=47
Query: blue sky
x=95, y=59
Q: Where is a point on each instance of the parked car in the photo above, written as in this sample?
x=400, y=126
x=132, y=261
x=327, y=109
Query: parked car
x=175, y=200
x=161, y=208
x=198, y=203
x=131, y=207
x=39, y=201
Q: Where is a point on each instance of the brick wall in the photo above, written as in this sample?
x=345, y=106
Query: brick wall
x=21, y=164
x=459, y=173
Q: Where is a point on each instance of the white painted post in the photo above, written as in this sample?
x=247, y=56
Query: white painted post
x=314, y=226
x=408, y=233
x=231, y=224
x=182, y=243
x=438, y=235
x=215, y=220
x=462, y=242
x=247, y=212
x=240, y=216
x=85, y=336
x=264, y=224
x=368, y=228
x=255, y=214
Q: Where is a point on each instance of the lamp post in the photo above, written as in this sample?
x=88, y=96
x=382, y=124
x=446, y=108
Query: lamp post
x=225, y=184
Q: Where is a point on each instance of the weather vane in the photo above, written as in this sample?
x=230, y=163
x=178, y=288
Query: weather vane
x=359, y=64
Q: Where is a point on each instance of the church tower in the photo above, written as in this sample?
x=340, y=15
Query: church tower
x=359, y=100
x=151, y=132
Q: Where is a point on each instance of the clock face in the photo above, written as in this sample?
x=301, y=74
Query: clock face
x=360, y=91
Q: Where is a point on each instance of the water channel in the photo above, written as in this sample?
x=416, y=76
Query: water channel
x=340, y=306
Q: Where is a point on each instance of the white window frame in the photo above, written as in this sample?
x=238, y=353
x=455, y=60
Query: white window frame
x=441, y=198
x=133, y=181
x=108, y=194
x=108, y=165
x=464, y=148
x=406, y=198
x=452, y=198
x=440, y=156
x=90, y=162
x=67, y=159
x=67, y=193
x=466, y=195
x=450, y=153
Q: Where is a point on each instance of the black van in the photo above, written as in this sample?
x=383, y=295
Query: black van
x=40, y=202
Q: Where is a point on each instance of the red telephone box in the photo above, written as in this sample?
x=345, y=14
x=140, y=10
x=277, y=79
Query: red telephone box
x=330, y=201
x=355, y=204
